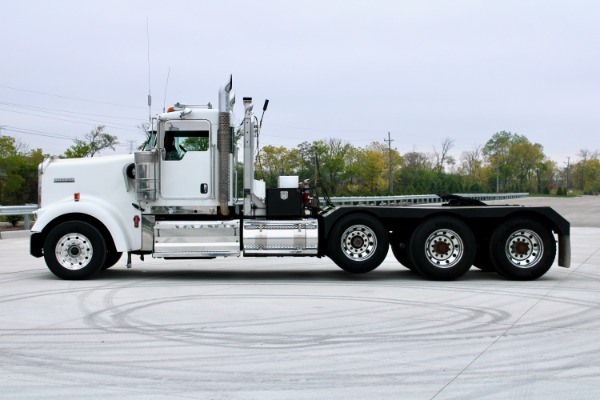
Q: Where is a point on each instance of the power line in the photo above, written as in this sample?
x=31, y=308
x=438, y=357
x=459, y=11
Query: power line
x=70, y=98
x=127, y=127
x=37, y=133
x=34, y=132
x=129, y=144
x=59, y=112
x=312, y=128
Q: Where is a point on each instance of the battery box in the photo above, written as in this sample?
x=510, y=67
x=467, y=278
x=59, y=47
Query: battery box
x=284, y=202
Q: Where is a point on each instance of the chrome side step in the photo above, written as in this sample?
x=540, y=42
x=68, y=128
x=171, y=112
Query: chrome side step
x=196, y=239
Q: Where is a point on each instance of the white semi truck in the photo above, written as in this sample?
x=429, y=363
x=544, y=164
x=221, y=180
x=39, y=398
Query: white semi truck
x=175, y=199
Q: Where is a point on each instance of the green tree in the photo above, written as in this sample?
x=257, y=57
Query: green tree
x=497, y=151
x=18, y=172
x=593, y=168
x=525, y=158
x=93, y=142
x=79, y=150
x=514, y=161
x=273, y=161
x=586, y=172
x=333, y=164
x=307, y=163
x=545, y=172
x=416, y=160
x=442, y=156
x=472, y=171
x=372, y=172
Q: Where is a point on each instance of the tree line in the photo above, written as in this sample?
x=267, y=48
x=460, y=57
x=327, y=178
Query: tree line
x=507, y=162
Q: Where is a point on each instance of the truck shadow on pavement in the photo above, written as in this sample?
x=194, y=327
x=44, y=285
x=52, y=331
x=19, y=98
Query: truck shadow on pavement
x=247, y=275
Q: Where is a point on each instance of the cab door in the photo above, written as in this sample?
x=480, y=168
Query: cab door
x=185, y=171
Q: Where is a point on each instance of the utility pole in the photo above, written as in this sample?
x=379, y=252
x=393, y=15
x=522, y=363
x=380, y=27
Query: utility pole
x=497, y=179
x=568, y=162
x=497, y=161
x=390, y=140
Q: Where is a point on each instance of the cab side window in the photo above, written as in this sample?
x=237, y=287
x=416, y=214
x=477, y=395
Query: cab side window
x=178, y=143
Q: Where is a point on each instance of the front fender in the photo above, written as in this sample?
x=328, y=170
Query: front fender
x=118, y=219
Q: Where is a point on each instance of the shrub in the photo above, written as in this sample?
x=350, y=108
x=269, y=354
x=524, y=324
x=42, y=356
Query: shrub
x=14, y=219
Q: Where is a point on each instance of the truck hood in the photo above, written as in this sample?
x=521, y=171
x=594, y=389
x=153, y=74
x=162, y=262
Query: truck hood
x=96, y=176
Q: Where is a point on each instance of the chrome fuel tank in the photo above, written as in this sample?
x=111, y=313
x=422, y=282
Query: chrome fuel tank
x=281, y=237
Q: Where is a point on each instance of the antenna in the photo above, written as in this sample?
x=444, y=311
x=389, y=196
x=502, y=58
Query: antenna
x=166, y=84
x=149, y=93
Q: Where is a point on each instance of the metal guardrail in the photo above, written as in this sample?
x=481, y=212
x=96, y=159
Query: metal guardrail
x=25, y=210
x=418, y=199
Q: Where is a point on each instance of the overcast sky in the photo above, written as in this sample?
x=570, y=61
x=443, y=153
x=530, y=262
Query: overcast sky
x=422, y=70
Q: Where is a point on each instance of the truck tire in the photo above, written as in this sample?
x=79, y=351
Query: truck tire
x=400, y=250
x=112, y=257
x=483, y=261
x=522, y=249
x=358, y=243
x=75, y=250
x=442, y=248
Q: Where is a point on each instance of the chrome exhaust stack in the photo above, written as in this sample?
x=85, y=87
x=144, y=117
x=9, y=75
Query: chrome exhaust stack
x=224, y=144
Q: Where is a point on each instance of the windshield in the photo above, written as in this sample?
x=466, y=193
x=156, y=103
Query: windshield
x=151, y=141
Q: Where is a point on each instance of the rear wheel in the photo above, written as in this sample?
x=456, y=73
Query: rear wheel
x=400, y=250
x=74, y=250
x=442, y=248
x=358, y=244
x=522, y=249
x=483, y=260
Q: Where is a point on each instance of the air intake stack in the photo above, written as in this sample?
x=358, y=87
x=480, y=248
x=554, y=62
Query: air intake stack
x=248, y=155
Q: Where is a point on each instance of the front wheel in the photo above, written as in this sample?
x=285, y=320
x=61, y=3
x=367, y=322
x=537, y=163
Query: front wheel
x=522, y=249
x=75, y=250
x=442, y=248
x=112, y=257
x=358, y=244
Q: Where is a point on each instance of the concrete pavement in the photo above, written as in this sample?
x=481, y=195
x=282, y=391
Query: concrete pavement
x=298, y=329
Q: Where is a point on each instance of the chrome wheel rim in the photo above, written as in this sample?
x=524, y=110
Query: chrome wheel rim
x=74, y=251
x=444, y=248
x=359, y=242
x=524, y=248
